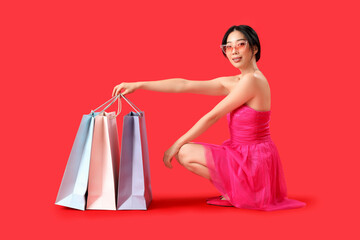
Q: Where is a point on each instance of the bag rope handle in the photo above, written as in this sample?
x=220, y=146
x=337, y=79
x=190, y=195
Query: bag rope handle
x=113, y=99
x=131, y=104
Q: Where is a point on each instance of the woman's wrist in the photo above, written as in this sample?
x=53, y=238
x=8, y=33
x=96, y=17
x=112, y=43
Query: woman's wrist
x=180, y=142
x=139, y=85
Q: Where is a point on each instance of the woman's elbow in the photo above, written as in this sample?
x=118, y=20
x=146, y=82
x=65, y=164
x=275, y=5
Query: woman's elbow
x=182, y=85
x=213, y=118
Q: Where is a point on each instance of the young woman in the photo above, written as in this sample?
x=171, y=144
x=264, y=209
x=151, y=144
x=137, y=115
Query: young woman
x=246, y=169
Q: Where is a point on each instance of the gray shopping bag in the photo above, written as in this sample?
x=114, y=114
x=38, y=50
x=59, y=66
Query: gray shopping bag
x=74, y=183
x=134, y=186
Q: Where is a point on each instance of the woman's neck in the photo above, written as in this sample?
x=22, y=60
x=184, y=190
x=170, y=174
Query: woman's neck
x=250, y=68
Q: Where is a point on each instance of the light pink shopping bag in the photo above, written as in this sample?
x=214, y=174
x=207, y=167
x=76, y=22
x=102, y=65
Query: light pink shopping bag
x=104, y=163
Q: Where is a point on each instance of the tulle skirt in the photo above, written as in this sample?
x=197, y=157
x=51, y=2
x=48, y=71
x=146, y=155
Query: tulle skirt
x=250, y=175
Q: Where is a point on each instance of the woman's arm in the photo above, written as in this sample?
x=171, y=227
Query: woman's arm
x=180, y=85
x=242, y=92
x=176, y=85
x=173, y=85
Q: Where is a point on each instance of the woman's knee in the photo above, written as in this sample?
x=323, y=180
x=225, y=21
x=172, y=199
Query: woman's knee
x=191, y=153
x=184, y=154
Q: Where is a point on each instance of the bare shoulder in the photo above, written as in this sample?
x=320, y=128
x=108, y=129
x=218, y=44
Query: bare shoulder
x=228, y=82
x=259, y=76
x=262, y=99
x=257, y=79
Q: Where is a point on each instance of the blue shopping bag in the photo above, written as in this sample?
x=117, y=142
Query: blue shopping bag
x=72, y=191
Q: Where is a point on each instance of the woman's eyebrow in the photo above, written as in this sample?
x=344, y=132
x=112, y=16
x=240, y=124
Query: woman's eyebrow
x=237, y=40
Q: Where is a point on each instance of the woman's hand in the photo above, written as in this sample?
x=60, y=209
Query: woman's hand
x=170, y=153
x=128, y=88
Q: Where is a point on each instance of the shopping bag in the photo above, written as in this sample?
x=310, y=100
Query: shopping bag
x=72, y=191
x=134, y=187
x=104, y=163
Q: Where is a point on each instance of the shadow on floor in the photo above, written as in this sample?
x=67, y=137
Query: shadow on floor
x=176, y=202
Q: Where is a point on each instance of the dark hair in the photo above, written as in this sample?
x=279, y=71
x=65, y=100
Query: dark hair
x=249, y=34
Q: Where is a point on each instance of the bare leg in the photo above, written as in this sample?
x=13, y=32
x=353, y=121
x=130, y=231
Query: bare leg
x=192, y=157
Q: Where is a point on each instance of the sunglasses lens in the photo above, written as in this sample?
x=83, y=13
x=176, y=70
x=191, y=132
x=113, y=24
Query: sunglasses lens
x=226, y=49
x=239, y=46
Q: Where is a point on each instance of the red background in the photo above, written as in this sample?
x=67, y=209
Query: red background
x=60, y=59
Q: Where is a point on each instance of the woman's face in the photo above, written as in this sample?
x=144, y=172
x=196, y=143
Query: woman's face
x=238, y=56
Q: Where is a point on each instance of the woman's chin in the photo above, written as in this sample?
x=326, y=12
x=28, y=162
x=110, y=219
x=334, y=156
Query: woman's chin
x=237, y=65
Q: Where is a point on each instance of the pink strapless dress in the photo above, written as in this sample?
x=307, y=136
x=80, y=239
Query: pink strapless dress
x=247, y=168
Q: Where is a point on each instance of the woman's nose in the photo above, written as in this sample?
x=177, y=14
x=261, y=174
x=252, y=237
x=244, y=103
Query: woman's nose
x=234, y=50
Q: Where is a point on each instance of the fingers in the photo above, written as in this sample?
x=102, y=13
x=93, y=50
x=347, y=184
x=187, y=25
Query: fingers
x=127, y=87
x=117, y=89
x=167, y=162
x=168, y=165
